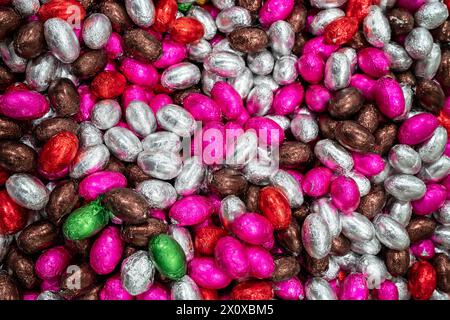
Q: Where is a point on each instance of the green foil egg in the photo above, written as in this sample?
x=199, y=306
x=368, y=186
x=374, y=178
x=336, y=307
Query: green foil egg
x=86, y=221
x=184, y=7
x=168, y=256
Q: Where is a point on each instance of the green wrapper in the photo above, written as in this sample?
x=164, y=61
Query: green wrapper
x=168, y=256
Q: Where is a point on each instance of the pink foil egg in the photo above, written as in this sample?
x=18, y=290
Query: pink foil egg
x=113, y=290
x=289, y=289
x=288, y=98
x=417, y=129
x=311, y=67
x=209, y=143
x=101, y=182
x=261, y=262
x=132, y=93
x=87, y=103
x=24, y=105
x=364, y=84
x=344, y=194
x=354, y=287
x=156, y=292
x=231, y=257
x=201, y=107
x=172, y=53
x=316, y=181
x=423, y=249
x=373, y=62
x=387, y=291
x=253, y=228
x=140, y=73
x=190, y=210
x=432, y=200
x=228, y=99
x=318, y=46
x=317, y=98
x=389, y=97
x=52, y=263
x=267, y=130
x=411, y=5
x=159, y=101
x=205, y=272
x=114, y=46
x=274, y=10
x=106, y=251
x=368, y=164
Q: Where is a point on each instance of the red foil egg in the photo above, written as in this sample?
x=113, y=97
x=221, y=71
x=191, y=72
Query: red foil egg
x=252, y=290
x=209, y=294
x=206, y=239
x=186, y=30
x=358, y=9
x=422, y=280
x=58, y=153
x=447, y=3
x=444, y=120
x=13, y=217
x=341, y=30
x=165, y=14
x=64, y=9
x=275, y=207
x=108, y=84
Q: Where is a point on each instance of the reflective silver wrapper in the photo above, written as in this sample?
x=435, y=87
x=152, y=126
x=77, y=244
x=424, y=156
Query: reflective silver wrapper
x=431, y=15
x=224, y=64
x=373, y=268
x=180, y=76
x=176, y=119
x=337, y=71
x=243, y=82
x=285, y=71
x=89, y=135
x=324, y=18
x=26, y=7
x=161, y=164
x=27, y=191
x=333, y=156
x=11, y=59
x=319, y=289
x=140, y=118
x=184, y=239
x=260, y=99
x=61, y=40
x=106, y=114
x=330, y=215
x=428, y=67
x=391, y=233
x=41, y=71
x=305, y=128
x=376, y=27
x=261, y=63
x=205, y=18
x=357, y=227
x=185, y=289
x=372, y=246
x=292, y=189
x=162, y=140
x=137, y=273
x=435, y=171
x=89, y=160
x=281, y=37
x=123, y=144
x=231, y=207
x=431, y=150
x=399, y=58
x=142, y=12
x=400, y=211
x=191, y=177
x=316, y=237
x=419, y=43
x=159, y=194
x=96, y=31
x=231, y=18
x=405, y=187
x=404, y=159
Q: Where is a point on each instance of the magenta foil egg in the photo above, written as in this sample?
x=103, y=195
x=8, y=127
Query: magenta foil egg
x=344, y=194
x=106, y=251
x=288, y=98
x=389, y=97
x=228, y=99
x=311, y=67
x=113, y=290
x=364, y=84
x=274, y=10
x=261, y=262
x=205, y=272
x=201, y=107
x=132, y=93
x=317, y=98
x=191, y=210
x=114, y=46
x=253, y=228
x=52, y=263
x=87, y=103
x=354, y=287
x=373, y=62
x=417, y=129
x=432, y=200
x=231, y=256
x=156, y=292
x=386, y=291
x=318, y=46
x=172, y=53
x=101, y=182
x=423, y=249
x=24, y=105
x=368, y=164
x=159, y=101
x=316, y=181
x=267, y=130
x=289, y=289
x=140, y=73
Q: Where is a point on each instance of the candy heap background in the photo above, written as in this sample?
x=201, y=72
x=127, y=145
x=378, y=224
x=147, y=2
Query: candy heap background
x=97, y=202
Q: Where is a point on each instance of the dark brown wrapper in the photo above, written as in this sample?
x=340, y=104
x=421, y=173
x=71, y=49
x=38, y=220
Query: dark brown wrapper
x=140, y=234
x=117, y=14
x=9, y=21
x=401, y=21
x=76, y=280
x=397, y=262
x=301, y=213
x=17, y=156
x=340, y=245
x=420, y=228
x=290, y=238
x=299, y=42
x=140, y=45
x=116, y=165
x=79, y=247
x=8, y=288
x=443, y=73
x=62, y=200
x=225, y=182
x=6, y=78
x=252, y=199
x=369, y=117
x=327, y=126
x=64, y=97
x=89, y=64
x=358, y=41
x=248, y=39
x=9, y=129
x=294, y=154
x=441, y=264
x=442, y=33
x=297, y=19
x=23, y=268
x=316, y=266
x=285, y=268
x=29, y=40
x=372, y=203
x=385, y=137
x=127, y=205
x=407, y=78
x=251, y=5
x=345, y=103
x=354, y=136
x=37, y=236
x=430, y=95
x=48, y=128
x=91, y=293
x=135, y=175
